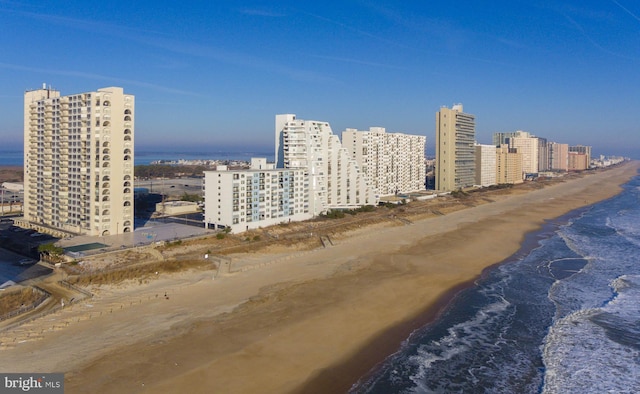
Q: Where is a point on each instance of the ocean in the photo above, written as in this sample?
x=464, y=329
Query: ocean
x=560, y=316
x=15, y=158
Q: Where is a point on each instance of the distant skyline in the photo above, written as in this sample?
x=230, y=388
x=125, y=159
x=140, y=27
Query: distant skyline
x=213, y=75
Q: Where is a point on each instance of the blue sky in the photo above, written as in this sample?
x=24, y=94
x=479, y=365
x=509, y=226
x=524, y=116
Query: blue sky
x=211, y=75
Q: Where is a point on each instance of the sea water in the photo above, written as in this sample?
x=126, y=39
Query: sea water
x=16, y=158
x=561, y=317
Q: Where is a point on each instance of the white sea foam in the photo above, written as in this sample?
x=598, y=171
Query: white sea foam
x=594, y=344
x=461, y=337
x=583, y=355
x=505, y=336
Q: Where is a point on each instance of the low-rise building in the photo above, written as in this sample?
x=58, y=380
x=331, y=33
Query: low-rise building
x=13, y=186
x=171, y=208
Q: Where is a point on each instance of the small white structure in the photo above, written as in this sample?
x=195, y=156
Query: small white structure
x=13, y=187
x=176, y=207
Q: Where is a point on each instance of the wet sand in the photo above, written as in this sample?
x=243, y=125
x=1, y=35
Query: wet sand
x=310, y=322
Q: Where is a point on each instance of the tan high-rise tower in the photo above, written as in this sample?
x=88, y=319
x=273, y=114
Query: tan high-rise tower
x=455, y=151
x=78, y=161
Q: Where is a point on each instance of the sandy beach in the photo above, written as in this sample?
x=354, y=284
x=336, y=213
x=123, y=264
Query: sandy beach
x=304, y=322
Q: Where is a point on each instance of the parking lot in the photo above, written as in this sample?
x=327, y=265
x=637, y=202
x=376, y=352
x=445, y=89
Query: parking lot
x=172, y=187
x=22, y=240
x=10, y=201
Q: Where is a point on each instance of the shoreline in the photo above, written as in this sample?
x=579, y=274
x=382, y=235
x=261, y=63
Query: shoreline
x=318, y=320
x=433, y=312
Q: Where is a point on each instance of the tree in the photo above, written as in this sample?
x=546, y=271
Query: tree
x=50, y=251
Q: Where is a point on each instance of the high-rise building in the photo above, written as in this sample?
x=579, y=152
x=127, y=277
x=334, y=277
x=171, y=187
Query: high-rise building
x=485, y=165
x=335, y=180
x=527, y=145
x=508, y=165
x=392, y=162
x=578, y=161
x=78, y=161
x=502, y=138
x=558, y=156
x=543, y=155
x=455, y=152
x=257, y=197
x=585, y=150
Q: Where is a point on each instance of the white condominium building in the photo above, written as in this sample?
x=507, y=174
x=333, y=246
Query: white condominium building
x=257, y=197
x=455, y=152
x=392, y=162
x=78, y=161
x=335, y=181
x=486, y=170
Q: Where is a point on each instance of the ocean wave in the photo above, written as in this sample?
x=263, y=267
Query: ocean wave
x=563, y=317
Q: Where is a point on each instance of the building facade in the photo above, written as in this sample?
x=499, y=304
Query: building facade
x=502, y=138
x=585, y=150
x=260, y=196
x=455, y=152
x=508, y=165
x=392, y=162
x=558, y=156
x=526, y=145
x=78, y=161
x=578, y=161
x=335, y=180
x=543, y=155
x=486, y=169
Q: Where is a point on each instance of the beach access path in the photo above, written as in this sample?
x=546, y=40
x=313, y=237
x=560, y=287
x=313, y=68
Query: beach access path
x=312, y=321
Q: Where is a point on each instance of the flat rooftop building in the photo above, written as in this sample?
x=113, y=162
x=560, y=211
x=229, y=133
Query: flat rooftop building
x=392, y=162
x=78, y=161
x=455, y=151
x=257, y=197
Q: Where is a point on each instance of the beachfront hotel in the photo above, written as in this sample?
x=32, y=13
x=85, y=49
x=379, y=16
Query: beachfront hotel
x=558, y=156
x=335, y=180
x=508, y=165
x=543, y=154
x=486, y=157
x=578, y=161
x=391, y=162
x=455, y=152
x=583, y=150
x=78, y=162
x=260, y=196
x=527, y=145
